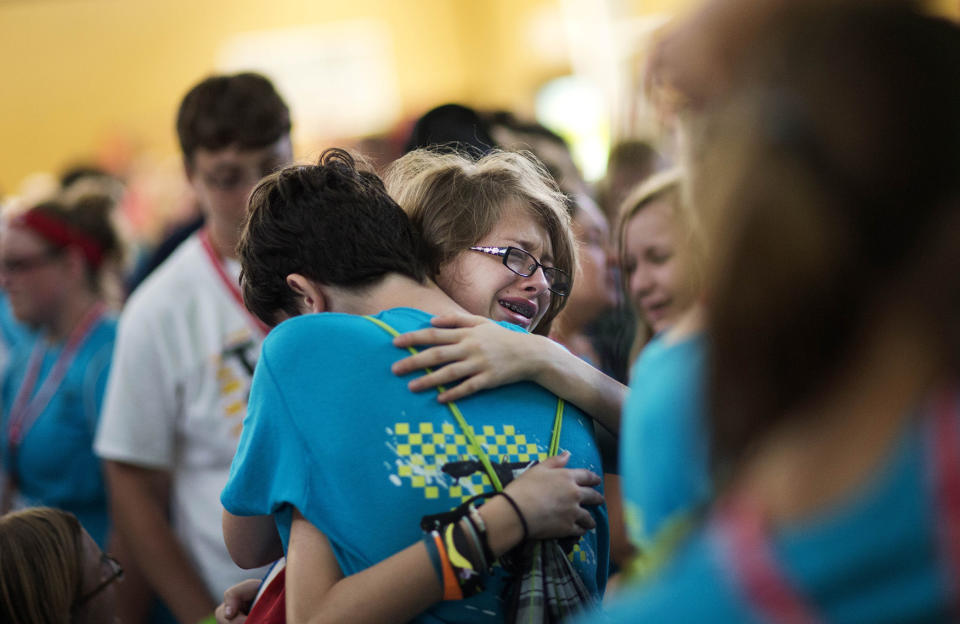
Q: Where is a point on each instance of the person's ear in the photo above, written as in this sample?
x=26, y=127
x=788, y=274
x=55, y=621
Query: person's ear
x=311, y=294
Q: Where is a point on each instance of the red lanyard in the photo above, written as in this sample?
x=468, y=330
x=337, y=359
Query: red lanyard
x=230, y=283
x=28, y=406
x=742, y=533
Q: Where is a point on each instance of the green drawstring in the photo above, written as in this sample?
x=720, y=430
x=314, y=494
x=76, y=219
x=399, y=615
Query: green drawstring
x=467, y=430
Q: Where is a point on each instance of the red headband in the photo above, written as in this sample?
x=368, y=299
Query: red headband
x=60, y=234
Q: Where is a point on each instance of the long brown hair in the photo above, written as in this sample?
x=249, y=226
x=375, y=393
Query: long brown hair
x=41, y=566
x=841, y=189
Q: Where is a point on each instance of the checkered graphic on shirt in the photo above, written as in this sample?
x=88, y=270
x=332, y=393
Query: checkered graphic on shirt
x=424, y=449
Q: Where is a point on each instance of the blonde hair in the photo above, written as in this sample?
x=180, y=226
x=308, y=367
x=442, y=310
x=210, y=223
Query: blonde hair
x=671, y=185
x=454, y=201
x=41, y=563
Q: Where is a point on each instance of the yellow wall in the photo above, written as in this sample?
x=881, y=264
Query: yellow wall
x=78, y=72
x=85, y=78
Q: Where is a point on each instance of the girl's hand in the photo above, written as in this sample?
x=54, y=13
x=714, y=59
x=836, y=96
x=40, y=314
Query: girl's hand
x=236, y=602
x=470, y=348
x=552, y=498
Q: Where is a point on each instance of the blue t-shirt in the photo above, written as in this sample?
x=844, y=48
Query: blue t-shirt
x=12, y=331
x=874, y=558
x=330, y=430
x=663, y=441
x=55, y=464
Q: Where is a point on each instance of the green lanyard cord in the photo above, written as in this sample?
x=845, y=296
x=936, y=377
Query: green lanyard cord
x=467, y=430
x=557, y=424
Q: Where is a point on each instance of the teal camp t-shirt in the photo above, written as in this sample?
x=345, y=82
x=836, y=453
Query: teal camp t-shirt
x=332, y=431
x=663, y=438
x=55, y=463
x=878, y=556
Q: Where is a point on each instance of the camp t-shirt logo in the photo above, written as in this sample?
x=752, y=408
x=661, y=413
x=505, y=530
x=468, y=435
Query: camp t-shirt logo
x=438, y=461
x=235, y=365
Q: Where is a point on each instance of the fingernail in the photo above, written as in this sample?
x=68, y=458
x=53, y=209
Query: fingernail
x=228, y=611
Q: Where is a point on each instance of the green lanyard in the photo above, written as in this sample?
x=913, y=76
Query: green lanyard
x=468, y=431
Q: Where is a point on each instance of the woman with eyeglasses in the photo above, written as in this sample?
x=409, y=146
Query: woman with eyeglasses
x=52, y=571
x=52, y=260
x=501, y=209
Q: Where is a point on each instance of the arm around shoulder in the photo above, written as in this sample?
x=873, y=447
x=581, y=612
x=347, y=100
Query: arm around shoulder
x=482, y=354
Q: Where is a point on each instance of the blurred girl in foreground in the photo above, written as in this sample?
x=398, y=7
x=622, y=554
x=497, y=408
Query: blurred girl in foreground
x=833, y=395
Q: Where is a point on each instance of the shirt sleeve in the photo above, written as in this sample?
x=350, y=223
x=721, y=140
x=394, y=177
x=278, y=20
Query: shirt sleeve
x=271, y=468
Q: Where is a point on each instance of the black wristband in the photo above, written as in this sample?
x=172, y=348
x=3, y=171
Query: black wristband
x=516, y=508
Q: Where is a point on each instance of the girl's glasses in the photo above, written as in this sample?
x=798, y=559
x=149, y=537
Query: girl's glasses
x=524, y=264
x=116, y=573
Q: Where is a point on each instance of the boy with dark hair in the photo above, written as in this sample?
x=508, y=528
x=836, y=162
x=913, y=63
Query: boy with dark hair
x=185, y=353
x=360, y=234
x=347, y=460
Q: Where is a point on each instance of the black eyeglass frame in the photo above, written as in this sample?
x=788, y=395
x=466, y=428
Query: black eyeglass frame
x=116, y=574
x=553, y=275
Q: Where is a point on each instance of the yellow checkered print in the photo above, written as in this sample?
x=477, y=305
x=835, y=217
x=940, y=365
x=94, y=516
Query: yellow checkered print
x=423, y=451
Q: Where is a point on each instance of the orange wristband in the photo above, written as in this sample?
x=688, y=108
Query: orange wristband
x=451, y=588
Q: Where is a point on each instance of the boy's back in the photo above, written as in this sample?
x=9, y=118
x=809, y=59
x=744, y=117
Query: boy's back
x=363, y=458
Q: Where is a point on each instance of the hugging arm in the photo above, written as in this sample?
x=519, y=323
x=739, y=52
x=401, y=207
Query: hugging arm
x=484, y=354
x=550, y=497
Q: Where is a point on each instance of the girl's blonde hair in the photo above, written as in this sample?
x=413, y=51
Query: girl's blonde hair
x=670, y=185
x=454, y=201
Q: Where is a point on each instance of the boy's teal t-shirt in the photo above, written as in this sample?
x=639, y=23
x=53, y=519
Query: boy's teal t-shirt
x=332, y=431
